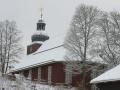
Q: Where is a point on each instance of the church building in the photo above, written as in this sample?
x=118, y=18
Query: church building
x=45, y=63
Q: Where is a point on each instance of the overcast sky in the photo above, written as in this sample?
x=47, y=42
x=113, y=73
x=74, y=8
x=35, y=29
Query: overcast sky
x=57, y=14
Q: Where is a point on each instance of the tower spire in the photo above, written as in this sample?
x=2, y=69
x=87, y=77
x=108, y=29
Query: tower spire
x=40, y=35
x=41, y=15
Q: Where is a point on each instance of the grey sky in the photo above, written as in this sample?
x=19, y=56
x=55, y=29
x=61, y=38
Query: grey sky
x=57, y=13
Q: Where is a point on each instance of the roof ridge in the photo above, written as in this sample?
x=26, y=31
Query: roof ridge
x=48, y=49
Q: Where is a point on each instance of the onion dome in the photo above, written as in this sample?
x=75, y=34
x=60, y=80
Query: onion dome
x=38, y=38
x=40, y=34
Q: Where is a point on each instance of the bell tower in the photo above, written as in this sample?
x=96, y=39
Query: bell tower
x=38, y=37
x=40, y=34
x=41, y=25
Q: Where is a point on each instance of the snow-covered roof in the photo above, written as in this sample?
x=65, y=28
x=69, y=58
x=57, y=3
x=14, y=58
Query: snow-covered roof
x=37, y=42
x=51, y=43
x=40, y=32
x=109, y=76
x=50, y=51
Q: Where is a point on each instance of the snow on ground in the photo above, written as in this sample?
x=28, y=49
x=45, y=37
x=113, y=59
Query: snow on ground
x=47, y=87
x=22, y=84
x=110, y=75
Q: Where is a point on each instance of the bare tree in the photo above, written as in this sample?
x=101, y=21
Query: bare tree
x=10, y=48
x=82, y=37
x=110, y=31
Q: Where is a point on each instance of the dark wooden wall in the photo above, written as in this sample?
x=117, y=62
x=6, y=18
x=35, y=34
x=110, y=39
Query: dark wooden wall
x=58, y=73
x=26, y=73
x=34, y=74
x=32, y=48
x=44, y=73
x=57, y=77
x=109, y=86
x=77, y=80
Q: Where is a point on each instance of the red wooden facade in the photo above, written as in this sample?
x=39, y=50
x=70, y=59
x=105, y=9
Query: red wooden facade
x=77, y=80
x=58, y=75
x=44, y=73
x=34, y=75
x=32, y=48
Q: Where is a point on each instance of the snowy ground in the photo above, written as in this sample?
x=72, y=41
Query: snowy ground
x=47, y=87
x=22, y=84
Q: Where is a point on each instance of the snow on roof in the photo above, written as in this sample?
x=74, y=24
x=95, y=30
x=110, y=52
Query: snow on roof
x=37, y=42
x=40, y=32
x=110, y=75
x=44, y=54
x=50, y=43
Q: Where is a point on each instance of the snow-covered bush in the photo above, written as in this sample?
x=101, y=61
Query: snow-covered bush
x=21, y=83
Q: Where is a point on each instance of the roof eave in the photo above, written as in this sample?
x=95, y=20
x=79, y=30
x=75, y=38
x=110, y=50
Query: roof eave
x=104, y=81
x=36, y=65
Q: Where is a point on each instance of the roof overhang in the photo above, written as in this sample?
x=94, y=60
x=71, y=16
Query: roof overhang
x=104, y=81
x=35, y=65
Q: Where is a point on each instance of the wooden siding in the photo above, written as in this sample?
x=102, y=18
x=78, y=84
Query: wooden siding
x=34, y=74
x=32, y=48
x=58, y=73
x=44, y=73
x=109, y=86
x=77, y=80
